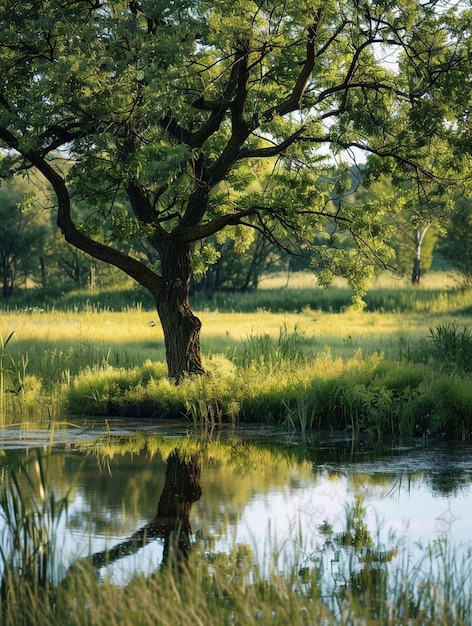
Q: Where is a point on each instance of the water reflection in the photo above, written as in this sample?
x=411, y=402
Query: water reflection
x=171, y=522
x=135, y=501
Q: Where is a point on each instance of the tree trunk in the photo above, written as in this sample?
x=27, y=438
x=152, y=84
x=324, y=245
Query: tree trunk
x=181, y=489
x=181, y=327
x=172, y=520
x=419, y=236
x=416, y=273
x=5, y=277
x=8, y=277
x=42, y=266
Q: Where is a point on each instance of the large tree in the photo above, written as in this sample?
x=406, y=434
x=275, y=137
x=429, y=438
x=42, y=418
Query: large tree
x=168, y=110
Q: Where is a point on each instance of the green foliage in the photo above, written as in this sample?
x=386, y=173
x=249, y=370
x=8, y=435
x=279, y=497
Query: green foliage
x=416, y=218
x=6, y=370
x=205, y=122
x=450, y=406
x=237, y=263
x=22, y=236
x=451, y=347
x=34, y=254
x=456, y=247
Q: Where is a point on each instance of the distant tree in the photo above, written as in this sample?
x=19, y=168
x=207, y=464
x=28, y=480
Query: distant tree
x=64, y=267
x=21, y=236
x=417, y=220
x=415, y=250
x=456, y=247
x=236, y=270
x=168, y=109
x=31, y=247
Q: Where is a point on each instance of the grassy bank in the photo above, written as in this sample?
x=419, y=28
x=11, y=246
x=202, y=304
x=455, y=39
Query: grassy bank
x=399, y=371
x=365, y=394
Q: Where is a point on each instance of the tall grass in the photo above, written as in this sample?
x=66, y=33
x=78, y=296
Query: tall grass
x=451, y=346
x=367, y=393
x=30, y=514
x=18, y=390
x=6, y=369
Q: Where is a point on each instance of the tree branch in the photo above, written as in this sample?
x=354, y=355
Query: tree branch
x=271, y=151
x=142, y=274
x=292, y=103
x=216, y=225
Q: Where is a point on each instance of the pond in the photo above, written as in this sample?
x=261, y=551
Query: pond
x=264, y=497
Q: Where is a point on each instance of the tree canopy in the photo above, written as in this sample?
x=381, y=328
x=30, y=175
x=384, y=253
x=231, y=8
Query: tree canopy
x=182, y=120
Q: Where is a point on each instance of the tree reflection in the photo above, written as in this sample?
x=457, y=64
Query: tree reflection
x=171, y=523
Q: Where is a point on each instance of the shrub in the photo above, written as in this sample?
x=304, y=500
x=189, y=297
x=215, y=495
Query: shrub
x=451, y=346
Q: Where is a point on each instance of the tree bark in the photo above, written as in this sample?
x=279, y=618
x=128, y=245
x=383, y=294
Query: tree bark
x=180, y=326
x=416, y=273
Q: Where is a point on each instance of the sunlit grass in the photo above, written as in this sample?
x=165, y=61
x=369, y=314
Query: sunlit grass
x=308, y=280
x=58, y=341
x=132, y=327
x=438, y=293
x=343, y=333
x=263, y=364
x=123, y=341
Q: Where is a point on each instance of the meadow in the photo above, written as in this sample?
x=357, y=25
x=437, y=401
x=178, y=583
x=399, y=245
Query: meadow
x=289, y=353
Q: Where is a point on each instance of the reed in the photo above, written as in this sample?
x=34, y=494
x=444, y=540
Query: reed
x=31, y=514
x=6, y=369
x=450, y=346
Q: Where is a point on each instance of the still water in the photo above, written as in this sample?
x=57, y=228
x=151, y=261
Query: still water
x=280, y=499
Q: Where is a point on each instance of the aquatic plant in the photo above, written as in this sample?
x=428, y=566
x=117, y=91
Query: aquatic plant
x=365, y=582
x=31, y=514
x=8, y=371
x=451, y=346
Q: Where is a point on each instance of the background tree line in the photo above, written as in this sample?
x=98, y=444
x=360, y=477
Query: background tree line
x=34, y=255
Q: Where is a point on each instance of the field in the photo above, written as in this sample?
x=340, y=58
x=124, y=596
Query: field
x=291, y=352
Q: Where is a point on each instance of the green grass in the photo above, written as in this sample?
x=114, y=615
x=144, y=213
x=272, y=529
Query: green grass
x=232, y=591
x=365, y=393
x=395, y=371
x=438, y=293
